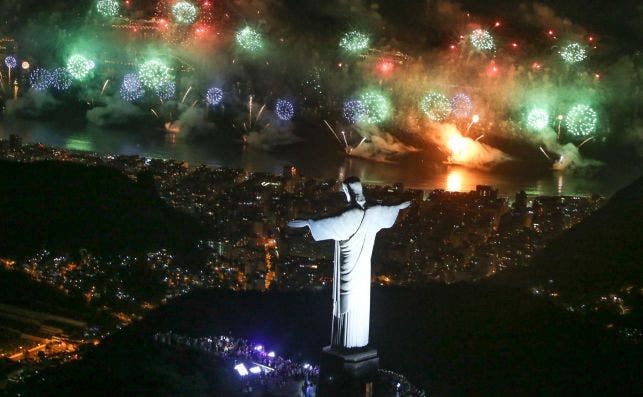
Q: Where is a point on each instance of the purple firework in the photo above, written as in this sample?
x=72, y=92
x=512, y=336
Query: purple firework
x=284, y=109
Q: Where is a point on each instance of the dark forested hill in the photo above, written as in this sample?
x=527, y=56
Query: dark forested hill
x=600, y=255
x=69, y=206
x=452, y=340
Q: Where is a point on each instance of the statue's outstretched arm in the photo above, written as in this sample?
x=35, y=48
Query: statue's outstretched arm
x=337, y=227
x=297, y=223
x=403, y=205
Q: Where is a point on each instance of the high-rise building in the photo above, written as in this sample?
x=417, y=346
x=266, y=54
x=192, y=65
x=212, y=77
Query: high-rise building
x=289, y=171
x=486, y=191
x=15, y=141
x=521, y=201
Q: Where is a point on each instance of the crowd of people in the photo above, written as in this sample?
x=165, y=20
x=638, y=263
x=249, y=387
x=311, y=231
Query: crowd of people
x=400, y=384
x=276, y=371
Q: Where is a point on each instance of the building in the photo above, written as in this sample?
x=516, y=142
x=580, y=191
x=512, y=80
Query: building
x=15, y=141
x=289, y=171
x=521, y=201
x=487, y=191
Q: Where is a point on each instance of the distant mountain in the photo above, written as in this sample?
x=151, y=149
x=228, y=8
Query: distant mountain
x=600, y=255
x=67, y=206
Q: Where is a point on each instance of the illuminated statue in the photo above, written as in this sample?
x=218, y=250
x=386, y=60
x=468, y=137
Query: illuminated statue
x=354, y=233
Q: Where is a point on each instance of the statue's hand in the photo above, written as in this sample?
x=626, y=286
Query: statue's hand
x=404, y=205
x=298, y=223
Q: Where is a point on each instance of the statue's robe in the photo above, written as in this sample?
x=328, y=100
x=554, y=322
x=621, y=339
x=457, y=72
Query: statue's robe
x=354, y=233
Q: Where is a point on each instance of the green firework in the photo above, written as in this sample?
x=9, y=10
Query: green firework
x=435, y=105
x=482, y=40
x=581, y=120
x=108, y=8
x=573, y=53
x=154, y=74
x=537, y=119
x=354, y=41
x=184, y=12
x=79, y=67
x=377, y=107
x=249, y=39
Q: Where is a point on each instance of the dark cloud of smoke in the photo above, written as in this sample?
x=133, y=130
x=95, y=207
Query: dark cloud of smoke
x=266, y=132
x=570, y=158
x=33, y=104
x=270, y=137
x=114, y=113
x=380, y=146
x=193, y=119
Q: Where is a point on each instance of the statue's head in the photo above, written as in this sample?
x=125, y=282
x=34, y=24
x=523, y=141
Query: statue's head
x=352, y=188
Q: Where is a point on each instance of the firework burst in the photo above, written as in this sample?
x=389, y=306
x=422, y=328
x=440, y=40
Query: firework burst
x=249, y=39
x=537, y=119
x=166, y=90
x=40, y=79
x=213, y=96
x=377, y=107
x=284, y=109
x=11, y=62
x=354, y=110
x=154, y=74
x=79, y=66
x=131, y=88
x=581, y=120
x=184, y=12
x=482, y=40
x=435, y=106
x=354, y=41
x=573, y=53
x=108, y=8
x=61, y=80
x=461, y=105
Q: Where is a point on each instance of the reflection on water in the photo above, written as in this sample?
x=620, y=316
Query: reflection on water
x=454, y=181
x=170, y=137
x=311, y=159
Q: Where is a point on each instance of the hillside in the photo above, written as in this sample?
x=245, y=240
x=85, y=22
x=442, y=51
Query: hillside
x=452, y=340
x=600, y=255
x=20, y=290
x=67, y=206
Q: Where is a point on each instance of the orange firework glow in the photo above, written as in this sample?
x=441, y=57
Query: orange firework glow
x=461, y=148
x=385, y=67
x=492, y=69
x=465, y=151
x=456, y=144
x=454, y=181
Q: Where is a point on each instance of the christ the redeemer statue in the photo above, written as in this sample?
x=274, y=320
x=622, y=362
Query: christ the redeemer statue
x=354, y=233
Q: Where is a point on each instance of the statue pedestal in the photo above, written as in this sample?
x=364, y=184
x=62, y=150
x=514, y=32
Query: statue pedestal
x=349, y=374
